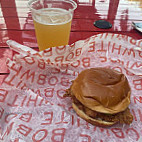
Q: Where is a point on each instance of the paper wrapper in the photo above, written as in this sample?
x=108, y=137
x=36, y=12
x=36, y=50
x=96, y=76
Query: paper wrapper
x=32, y=107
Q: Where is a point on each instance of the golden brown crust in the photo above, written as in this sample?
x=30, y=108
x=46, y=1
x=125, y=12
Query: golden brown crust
x=103, y=90
x=91, y=120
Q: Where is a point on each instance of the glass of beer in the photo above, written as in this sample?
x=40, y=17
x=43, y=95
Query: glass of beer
x=52, y=21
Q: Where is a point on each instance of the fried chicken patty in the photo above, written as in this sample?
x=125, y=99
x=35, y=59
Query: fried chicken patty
x=121, y=117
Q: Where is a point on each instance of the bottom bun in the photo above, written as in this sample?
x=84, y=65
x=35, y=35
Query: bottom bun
x=91, y=120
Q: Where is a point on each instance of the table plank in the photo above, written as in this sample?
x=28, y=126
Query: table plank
x=4, y=54
x=85, y=12
x=28, y=38
x=23, y=3
x=13, y=23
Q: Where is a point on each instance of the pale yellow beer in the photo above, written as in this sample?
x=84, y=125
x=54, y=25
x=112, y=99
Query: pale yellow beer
x=52, y=27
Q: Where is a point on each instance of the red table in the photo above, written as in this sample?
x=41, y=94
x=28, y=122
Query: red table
x=16, y=23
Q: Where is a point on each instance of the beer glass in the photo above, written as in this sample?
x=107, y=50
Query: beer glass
x=52, y=21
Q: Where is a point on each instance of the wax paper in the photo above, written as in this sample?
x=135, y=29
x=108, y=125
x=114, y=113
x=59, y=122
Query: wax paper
x=32, y=106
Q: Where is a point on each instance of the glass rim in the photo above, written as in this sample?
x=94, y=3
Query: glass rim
x=74, y=4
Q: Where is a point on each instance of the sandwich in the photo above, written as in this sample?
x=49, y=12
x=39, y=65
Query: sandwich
x=101, y=96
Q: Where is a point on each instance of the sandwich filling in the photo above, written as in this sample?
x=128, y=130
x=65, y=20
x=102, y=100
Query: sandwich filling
x=124, y=117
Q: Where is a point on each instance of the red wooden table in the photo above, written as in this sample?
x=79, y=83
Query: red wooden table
x=16, y=23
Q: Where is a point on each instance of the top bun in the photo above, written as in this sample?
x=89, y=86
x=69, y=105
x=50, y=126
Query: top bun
x=103, y=90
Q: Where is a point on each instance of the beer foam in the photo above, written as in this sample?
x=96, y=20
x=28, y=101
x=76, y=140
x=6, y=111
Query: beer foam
x=52, y=16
